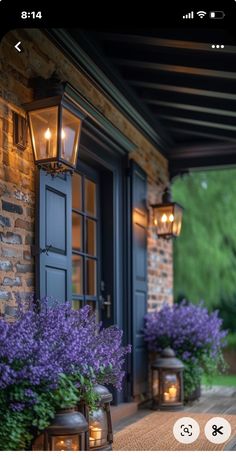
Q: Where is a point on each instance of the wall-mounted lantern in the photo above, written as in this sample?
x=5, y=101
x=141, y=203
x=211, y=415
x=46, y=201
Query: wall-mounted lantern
x=167, y=382
x=55, y=127
x=167, y=217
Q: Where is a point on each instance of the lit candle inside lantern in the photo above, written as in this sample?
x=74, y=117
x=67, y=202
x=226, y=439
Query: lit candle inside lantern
x=166, y=397
x=173, y=392
x=60, y=446
x=67, y=444
x=96, y=433
x=48, y=136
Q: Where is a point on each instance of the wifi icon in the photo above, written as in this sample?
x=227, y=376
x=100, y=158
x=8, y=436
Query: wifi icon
x=201, y=14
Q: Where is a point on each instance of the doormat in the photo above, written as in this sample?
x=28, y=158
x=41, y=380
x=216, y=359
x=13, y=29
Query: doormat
x=154, y=432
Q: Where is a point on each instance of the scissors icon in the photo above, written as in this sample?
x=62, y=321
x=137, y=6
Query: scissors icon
x=216, y=430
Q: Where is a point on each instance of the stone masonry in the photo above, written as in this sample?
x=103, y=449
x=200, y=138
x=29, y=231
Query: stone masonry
x=17, y=171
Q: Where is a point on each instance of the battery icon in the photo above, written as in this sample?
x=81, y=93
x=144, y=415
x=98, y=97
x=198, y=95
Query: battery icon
x=217, y=14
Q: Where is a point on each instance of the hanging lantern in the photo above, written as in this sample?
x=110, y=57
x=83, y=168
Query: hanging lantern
x=66, y=433
x=55, y=126
x=167, y=382
x=167, y=217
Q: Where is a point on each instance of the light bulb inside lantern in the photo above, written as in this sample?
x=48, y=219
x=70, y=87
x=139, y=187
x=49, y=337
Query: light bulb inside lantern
x=63, y=134
x=171, y=218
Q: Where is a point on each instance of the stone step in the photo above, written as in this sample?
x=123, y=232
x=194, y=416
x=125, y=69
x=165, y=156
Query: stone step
x=122, y=411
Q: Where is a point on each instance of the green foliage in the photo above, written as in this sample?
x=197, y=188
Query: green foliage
x=222, y=380
x=231, y=342
x=19, y=428
x=192, y=378
x=205, y=252
x=205, y=365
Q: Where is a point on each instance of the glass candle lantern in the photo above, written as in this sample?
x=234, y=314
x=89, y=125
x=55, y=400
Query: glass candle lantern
x=98, y=428
x=55, y=125
x=100, y=435
x=167, y=382
x=66, y=432
x=167, y=217
x=100, y=425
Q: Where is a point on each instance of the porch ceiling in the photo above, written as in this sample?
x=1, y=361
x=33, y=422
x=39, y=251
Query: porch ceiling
x=185, y=89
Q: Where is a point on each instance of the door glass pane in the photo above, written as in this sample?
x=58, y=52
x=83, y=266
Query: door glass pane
x=76, y=192
x=77, y=238
x=91, y=281
x=77, y=304
x=90, y=197
x=95, y=309
x=77, y=274
x=91, y=237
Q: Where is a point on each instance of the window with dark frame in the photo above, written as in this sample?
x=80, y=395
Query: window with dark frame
x=84, y=241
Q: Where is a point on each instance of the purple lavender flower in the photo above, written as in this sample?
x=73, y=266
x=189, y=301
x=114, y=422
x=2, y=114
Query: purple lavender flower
x=42, y=344
x=190, y=330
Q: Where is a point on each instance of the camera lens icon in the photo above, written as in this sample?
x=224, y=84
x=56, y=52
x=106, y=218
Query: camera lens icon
x=186, y=430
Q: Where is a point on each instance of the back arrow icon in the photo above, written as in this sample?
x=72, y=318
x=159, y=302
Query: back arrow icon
x=17, y=46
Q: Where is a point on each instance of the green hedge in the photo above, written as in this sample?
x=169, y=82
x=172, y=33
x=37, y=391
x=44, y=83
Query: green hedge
x=231, y=342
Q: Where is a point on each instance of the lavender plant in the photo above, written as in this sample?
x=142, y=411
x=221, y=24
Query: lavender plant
x=51, y=357
x=195, y=335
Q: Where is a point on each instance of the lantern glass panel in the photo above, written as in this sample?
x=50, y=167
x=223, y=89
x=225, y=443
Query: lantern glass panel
x=43, y=124
x=70, y=131
x=177, y=223
x=163, y=219
x=98, y=428
x=171, y=387
x=65, y=443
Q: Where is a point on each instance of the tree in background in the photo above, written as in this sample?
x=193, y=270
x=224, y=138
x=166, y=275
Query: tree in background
x=205, y=252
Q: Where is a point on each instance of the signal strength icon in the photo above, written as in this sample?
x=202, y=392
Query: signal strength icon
x=189, y=15
x=201, y=14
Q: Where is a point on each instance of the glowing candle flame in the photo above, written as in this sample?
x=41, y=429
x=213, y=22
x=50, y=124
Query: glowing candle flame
x=48, y=134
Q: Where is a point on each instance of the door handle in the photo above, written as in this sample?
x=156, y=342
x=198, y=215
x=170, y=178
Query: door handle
x=107, y=305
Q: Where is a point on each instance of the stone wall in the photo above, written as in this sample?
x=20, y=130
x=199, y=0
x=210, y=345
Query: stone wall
x=17, y=175
x=16, y=215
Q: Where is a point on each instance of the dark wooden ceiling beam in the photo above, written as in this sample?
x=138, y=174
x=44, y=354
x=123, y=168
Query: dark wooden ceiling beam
x=199, y=133
x=189, y=107
x=162, y=42
x=181, y=166
x=213, y=149
x=178, y=79
x=169, y=56
x=168, y=68
x=184, y=90
x=199, y=122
